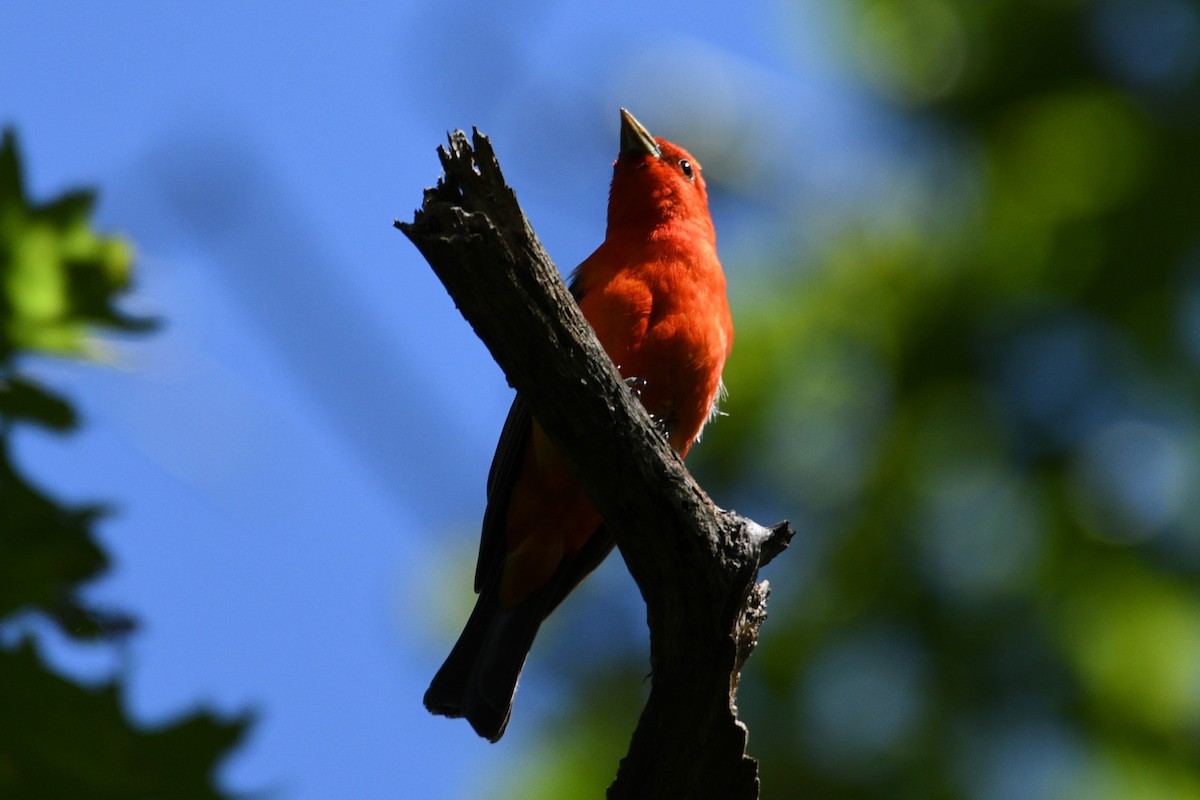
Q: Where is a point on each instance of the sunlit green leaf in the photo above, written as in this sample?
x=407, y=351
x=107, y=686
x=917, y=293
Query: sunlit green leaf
x=58, y=277
x=1134, y=639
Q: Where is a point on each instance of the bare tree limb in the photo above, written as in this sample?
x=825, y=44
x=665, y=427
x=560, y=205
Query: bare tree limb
x=695, y=564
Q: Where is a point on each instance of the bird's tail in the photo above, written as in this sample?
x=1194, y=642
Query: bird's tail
x=479, y=679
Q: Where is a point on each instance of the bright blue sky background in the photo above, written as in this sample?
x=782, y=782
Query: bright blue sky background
x=298, y=455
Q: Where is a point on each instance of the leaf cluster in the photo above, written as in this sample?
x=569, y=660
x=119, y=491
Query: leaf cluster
x=60, y=280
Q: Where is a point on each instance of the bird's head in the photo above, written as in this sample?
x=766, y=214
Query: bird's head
x=655, y=184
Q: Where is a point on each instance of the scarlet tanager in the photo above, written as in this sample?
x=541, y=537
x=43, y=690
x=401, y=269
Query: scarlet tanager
x=655, y=295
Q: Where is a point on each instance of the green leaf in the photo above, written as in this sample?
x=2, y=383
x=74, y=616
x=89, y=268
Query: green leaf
x=21, y=399
x=59, y=279
x=46, y=552
x=12, y=190
x=58, y=276
x=62, y=740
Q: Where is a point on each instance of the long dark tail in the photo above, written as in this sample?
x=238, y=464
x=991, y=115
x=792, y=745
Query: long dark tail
x=479, y=678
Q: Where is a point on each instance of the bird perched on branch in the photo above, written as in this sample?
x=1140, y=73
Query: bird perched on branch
x=654, y=293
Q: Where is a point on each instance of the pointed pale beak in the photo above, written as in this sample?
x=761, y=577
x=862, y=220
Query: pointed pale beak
x=635, y=139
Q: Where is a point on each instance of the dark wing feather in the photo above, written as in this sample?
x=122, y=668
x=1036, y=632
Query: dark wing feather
x=506, y=467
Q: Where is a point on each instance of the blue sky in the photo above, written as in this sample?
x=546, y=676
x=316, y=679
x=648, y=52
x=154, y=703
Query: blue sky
x=298, y=456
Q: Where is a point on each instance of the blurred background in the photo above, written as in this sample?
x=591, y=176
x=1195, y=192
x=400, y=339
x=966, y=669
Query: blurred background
x=963, y=248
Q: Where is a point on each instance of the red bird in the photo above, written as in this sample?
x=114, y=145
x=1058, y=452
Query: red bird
x=654, y=293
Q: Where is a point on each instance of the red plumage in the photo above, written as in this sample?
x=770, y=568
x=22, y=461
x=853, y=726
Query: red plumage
x=654, y=293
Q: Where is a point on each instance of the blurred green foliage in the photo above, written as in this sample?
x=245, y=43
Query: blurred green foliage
x=59, y=280
x=982, y=416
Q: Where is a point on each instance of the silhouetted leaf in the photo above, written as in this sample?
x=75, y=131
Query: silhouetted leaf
x=62, y=740
x=23, y=400
x=59, y=279
x=46, y=550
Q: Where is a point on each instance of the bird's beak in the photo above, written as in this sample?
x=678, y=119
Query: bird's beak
x=635, y=139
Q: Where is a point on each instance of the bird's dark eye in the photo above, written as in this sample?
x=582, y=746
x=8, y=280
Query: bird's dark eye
x=686, y=166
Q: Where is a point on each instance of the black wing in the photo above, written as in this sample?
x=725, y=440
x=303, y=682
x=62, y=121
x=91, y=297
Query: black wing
x=506, y=467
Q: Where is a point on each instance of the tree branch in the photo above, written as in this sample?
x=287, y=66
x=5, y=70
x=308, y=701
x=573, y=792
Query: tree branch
x=695, y=564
